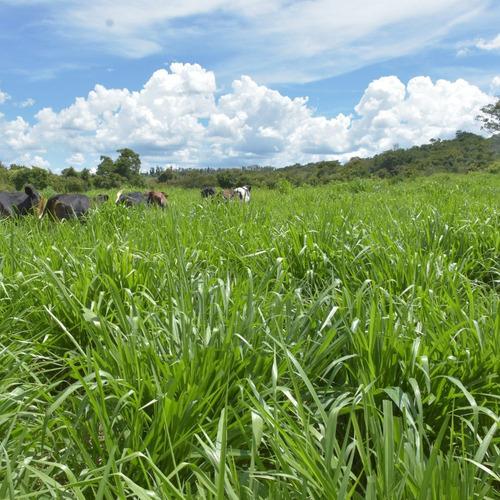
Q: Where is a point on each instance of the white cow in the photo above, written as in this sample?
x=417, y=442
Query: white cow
x=243, y=194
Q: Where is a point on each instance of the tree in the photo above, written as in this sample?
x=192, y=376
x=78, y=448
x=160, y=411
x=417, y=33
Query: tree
x=71, y=185
x=85, y=175
x=128, y=163
x=4, y=177
x=167, y=175
x=125, y=168
x=109, y=181
x=34, y=176
x=155, y=171
x=491, y=116
x=106, y=166
x=69, y=172
x=231, y=178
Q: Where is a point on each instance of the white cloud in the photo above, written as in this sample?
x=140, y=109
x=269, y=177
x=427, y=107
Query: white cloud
x=392, y=113
x=29, y=159
x=3, y=97
x=469, y=46
x=176, y=118
x=76, y=160
x=495, y=85
x=317, y=38
x=261, y=119
x=489, y=45
x=463, y=52
x=27, y=102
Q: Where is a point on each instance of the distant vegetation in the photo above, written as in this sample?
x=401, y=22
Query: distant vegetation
x=465, y=153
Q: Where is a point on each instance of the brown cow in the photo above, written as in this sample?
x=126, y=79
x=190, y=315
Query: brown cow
x=226, y=194
x=157, y=198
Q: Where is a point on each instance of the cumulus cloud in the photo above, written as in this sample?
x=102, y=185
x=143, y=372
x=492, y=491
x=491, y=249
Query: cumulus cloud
x=391, y=112
x=495, y=85
x=176, y=118
x=77, y=159
x=29, y=159
x=264, y=126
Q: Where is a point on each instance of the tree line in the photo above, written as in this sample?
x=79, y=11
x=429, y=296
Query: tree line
x=465, y=153
x=125, y=170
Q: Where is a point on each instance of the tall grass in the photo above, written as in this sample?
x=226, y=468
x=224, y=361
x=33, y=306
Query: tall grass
x=331, y=342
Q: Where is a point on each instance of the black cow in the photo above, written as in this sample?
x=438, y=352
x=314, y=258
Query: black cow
x=151, y=197
x=208, y=191
x=71, y=206
x=17, y=203
x=131, y=199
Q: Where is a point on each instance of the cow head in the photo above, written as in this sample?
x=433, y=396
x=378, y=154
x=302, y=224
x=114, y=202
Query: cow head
x=33, y=195
x=101, y=198
x=157, y=198
x=35, y=199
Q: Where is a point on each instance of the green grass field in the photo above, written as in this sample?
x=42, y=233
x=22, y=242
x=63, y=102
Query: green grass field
x=332, y=342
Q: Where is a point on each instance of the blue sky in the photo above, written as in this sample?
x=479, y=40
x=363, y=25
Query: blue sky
x=198, y=83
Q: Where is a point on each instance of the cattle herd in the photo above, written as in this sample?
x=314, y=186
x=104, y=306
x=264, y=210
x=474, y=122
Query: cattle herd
x=70, y=206
x=242, y=194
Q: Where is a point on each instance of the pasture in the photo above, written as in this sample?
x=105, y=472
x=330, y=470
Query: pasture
x=332, y=342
